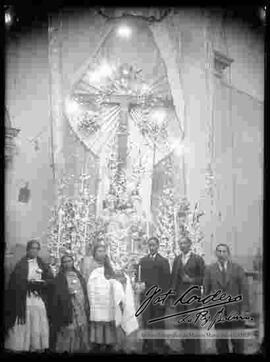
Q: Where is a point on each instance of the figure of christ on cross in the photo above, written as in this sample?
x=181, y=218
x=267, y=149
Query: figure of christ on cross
x=130, y=136
x=131, y=142
x=125, y=102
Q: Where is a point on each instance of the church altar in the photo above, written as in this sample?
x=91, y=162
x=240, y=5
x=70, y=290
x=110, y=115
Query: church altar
x=120, y=147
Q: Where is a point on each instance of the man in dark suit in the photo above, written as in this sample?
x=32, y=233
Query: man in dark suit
x=187, y=271
x=230, y=278
x=155, y=270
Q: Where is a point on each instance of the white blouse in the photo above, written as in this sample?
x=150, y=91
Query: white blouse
x=34, y=272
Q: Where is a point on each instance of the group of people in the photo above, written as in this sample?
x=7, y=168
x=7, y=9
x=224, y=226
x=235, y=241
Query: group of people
x=74, y=311
x=91, y=309
x=189, y=270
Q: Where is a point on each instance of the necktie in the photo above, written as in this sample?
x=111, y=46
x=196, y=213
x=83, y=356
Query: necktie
x=223, y=273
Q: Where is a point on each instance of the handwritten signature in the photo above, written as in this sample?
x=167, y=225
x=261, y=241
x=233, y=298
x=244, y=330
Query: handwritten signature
x=200, y=314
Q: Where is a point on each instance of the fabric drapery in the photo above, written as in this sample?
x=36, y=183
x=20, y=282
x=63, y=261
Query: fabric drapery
x=128, y=321
x=168, y=50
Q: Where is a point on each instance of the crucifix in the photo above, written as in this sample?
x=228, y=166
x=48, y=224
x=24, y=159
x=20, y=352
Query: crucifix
x=125, y=112
x=125, y=102
x=126, y=96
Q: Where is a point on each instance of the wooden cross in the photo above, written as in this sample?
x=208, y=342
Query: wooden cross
x=126, y=102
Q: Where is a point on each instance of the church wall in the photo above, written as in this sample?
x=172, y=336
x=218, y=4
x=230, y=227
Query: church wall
x=27, y=99
x=241, y=168
x=247, y=121
x=246, y=47
x=237, y=209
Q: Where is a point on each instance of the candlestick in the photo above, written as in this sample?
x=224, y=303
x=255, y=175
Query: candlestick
x=139, y=272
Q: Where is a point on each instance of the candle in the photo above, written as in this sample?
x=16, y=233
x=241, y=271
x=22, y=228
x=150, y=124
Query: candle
x=59, y=232
x=175, y=226
x=82, y=178
x=147, y=229
x=139, y=272
x=85, y=231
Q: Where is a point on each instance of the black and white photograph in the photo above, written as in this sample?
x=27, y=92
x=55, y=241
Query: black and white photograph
x=134, y=164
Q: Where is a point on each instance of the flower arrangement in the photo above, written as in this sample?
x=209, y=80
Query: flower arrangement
x=189, y=224
x=176, y=219
x=70, y=224
x=88, y=123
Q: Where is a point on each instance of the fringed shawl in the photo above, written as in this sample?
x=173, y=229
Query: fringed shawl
x=62, y=304
x=15, y=298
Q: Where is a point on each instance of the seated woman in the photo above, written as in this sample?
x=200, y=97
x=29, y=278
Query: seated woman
x=71, y=309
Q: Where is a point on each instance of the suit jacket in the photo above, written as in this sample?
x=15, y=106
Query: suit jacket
x=194, y=268
x=235, y=284
x=155, y=272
